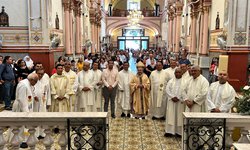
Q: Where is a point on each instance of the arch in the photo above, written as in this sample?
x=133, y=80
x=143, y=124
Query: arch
x=150, y=2
x=124, y=23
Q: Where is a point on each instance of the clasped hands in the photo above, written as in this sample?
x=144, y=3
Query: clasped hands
x=85, y=89
x=139, y=86
x=215, y=110
x=189, y=103
x=99, y=83
x=36, y=99
x=175, y=99
x=60, y=98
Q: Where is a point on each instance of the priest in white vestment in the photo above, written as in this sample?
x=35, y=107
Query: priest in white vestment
x=196, y=92
x=24, y=102
x=25, y=95
x=221, y=95
x=171, y=69
x=124, y=98
x=60, y=88
x=86, y=83
x=42, y=91
x=176, y=91
x=98, y=87
x=73, y=84
x=45, y=81
x=185, y=73
x=158, y=81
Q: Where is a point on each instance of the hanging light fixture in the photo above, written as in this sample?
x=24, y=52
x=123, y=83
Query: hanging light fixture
x=134, y=17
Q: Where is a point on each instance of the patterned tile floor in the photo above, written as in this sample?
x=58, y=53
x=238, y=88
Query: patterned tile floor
x=133, y=134
x=136, y=134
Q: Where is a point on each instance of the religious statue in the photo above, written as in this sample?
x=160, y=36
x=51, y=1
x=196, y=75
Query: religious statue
x=4, y=18
x=217, y=24
x=57, y=22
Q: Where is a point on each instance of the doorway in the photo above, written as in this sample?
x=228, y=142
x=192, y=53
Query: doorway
x=133, y=39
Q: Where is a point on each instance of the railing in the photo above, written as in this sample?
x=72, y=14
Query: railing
x=77, y=130
x=213, y=130
x=125, y=13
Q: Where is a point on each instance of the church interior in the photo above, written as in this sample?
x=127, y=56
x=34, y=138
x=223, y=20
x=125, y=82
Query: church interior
x=207, y=30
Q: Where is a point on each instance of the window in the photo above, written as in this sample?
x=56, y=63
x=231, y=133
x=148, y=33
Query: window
x=133, y=5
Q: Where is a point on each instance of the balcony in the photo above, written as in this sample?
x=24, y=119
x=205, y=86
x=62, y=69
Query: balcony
x=125, y=13
x=214, y=130
x=77, y=130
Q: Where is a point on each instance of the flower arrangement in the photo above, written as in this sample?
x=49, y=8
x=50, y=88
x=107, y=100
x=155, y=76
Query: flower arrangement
x=242, y=103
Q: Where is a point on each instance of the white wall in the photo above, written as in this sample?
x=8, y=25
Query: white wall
x=217, y=6
x=103, y=28
x=17, y=11
x=164, y=31
x=57, y=8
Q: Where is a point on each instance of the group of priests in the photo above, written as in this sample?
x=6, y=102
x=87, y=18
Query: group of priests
x=164, y=95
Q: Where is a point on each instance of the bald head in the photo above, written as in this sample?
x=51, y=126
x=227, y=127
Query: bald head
x=86, y=66
x=222, y=77
x=195, y=71
x=178, y=73
x=196, y=68
x=33, y=78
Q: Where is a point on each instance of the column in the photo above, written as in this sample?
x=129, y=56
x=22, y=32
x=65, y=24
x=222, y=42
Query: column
x=78, y=30
x=178, y=26
x=174, y=33
x=193, y=33
x=67, y=29
x=98, y=39
x=92, y=36
x=96, y=35
x=201, y=31
x=170, y=27
x=71, y=27
x=205, y=32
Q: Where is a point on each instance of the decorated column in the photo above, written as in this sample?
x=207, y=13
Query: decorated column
x=174, y=32
x=71, y=26
x=179, y=7
x=205, y=31
x=92, y=22
x=193, y=31
x=66, y=6
x=78, y=28
x=200, y=45
x=170, y=29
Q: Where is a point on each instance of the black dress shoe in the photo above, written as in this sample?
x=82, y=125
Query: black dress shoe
x=168, y=135
x=128, y=115
x=8, y=108
x=24, y=145
x=178, y=136
x=143, y=117
x=123, y=115
x=136, y=117
x=154, y=118
x=163, y=118
x=113, y=116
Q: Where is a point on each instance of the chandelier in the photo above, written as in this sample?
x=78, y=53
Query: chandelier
x=134, y=17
